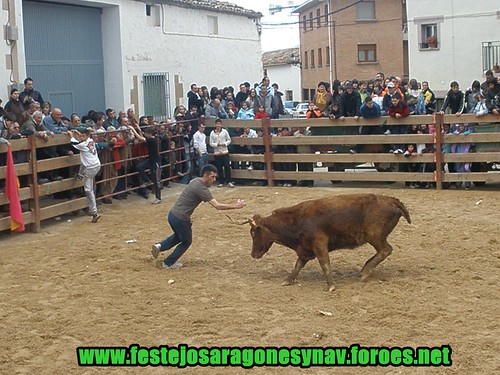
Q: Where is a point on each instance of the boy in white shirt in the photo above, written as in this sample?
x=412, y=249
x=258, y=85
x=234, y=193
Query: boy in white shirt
x=91, y=166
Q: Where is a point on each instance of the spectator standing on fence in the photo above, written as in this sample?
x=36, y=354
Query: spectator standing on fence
x=152, y=163
x=215, y=110
x=179, y=217
x=90, y=161
x=488, y=77
x=194, y=99
x=455, y=100
x=30, y=95
x=493, y=97
x=322, y=97
x=265, y=99
x=471, y=97
x=398, y=109
x=200, y=146
x=350, y=102
x=429, y=99
x=278, y=107
x=220, y=141
x=245, y=113
x=15, y=107
x=241, y=96
x=369, y=110
x=313, y=111
x=110, y=119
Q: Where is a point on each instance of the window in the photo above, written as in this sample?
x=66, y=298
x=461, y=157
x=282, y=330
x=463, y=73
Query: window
x=305, y=94
x=429, y=36
x=310, y=20
x=213, y=25
x=365, y=11
x=312, y=59
x=367, y=53
x=306, y=61
x=326, y=14
x=312, y=92
x=156, y=91
x=304, y=22
x=318, y=17
x=320, y=57
x=288, y=95
x=327, y=56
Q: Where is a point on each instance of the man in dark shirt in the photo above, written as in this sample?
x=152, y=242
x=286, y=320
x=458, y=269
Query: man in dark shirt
x=29, y=95
x=179, y=216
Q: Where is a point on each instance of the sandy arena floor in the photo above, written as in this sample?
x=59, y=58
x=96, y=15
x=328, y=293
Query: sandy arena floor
x=79, y=284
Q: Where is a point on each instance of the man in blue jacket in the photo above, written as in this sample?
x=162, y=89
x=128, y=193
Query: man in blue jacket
x=368, y=110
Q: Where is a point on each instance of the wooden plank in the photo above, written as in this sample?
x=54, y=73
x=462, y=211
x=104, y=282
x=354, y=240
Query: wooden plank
x=5, y=221
x=472, y=157
x=468, y=118
x=58, y=186
x=248, y=157
x=15, y=144
x=353, y=159
x=55, y=140
x=57, y=163
x=355, y=176
x=353, y=139
x=62, y=208
x=22, y=169
x=24, y=194
x=246, y=174
x=473, y=176
x=472, y=138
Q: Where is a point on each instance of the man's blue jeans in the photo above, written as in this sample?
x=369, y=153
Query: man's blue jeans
x=182, y=237
x=202, y=161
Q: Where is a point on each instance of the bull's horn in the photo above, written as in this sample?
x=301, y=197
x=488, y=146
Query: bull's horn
x=243, y=222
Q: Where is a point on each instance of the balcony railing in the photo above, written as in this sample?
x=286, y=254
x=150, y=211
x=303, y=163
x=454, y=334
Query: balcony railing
x=491, y=55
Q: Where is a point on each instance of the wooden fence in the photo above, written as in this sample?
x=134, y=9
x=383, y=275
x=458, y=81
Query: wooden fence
x=329, y=145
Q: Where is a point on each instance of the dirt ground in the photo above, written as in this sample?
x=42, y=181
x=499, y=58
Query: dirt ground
x=80, y=284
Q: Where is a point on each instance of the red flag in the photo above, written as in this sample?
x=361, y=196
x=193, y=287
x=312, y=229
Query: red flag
x=12, y=194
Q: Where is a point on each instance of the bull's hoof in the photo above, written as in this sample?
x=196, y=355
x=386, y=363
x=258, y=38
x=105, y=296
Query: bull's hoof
x=364, y=276
x=331, y=288
x=287, y=282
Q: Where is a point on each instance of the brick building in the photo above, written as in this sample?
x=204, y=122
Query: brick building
x=342, y=39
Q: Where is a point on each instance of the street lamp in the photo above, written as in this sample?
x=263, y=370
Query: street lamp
x=295, y=60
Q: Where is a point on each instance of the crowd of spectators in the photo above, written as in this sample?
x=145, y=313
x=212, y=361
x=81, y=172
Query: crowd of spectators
x=27, y=114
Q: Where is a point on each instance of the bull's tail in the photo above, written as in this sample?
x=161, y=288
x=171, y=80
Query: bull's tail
x=402, y=208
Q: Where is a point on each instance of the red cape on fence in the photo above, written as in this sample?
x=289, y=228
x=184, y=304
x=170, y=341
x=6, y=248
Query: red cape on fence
x=12, y=193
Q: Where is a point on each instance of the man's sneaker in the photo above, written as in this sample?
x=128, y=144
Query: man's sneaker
x=96, y=217
x=250, y=168
x=407, y=154
x=174, y=266
x=155, y=250
x=231, y=185
x=156, y=201
x=353, y=151
x=221, y=185
x=387, y=132
x=391, y=151
x=78, y=176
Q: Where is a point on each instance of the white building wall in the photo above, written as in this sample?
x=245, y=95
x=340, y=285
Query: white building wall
x=464, y=26
x=287, y=77
x=173, y=40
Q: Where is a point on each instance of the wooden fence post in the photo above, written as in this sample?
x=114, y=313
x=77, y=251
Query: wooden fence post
x=268, y=154
x=34, y=201
x=438, y=153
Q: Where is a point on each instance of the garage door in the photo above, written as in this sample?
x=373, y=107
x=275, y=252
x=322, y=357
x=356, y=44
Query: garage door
x=63, y=48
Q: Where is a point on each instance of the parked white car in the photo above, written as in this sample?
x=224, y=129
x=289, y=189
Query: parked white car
x=290, y=106
x=300, y=110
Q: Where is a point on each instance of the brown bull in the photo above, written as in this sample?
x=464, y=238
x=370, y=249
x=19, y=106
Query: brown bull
x=316, y=227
